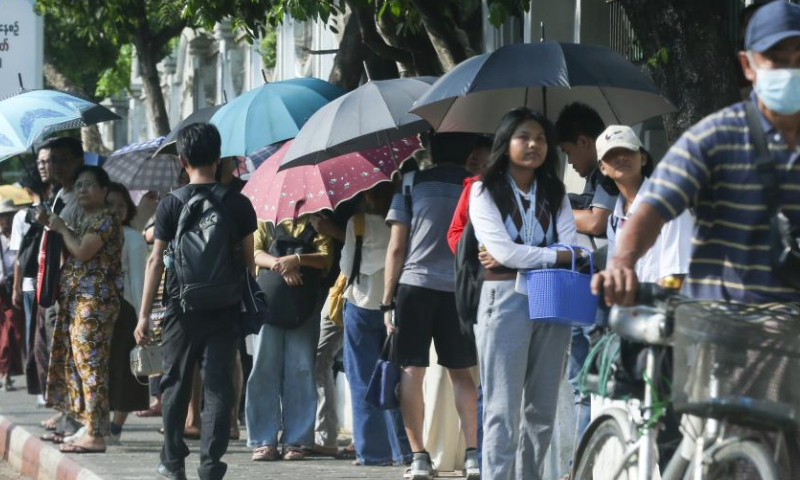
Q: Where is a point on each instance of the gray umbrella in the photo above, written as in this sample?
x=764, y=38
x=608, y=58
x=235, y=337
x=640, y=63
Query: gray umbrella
x=200, y=116
x=370, y=116
x=547, y=76
x=138, y=167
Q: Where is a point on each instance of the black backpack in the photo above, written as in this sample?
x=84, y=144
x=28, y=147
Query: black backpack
x=207, y=251
x=290, y=306
x=469, y=278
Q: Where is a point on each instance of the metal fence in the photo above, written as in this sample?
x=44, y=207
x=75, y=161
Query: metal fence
x=623, y=40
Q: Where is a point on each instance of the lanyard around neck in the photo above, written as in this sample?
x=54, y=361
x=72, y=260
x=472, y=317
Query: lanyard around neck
x=528, y=215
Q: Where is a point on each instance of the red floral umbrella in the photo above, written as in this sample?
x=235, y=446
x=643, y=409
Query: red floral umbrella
x=278, y=196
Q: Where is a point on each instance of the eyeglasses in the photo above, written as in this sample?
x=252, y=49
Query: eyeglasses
x=85, y=185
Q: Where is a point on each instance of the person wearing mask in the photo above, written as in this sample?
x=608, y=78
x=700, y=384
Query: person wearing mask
x=78, y=375
x=378, y=435
x=12, y=319
x=518, y=209
x=418, y=295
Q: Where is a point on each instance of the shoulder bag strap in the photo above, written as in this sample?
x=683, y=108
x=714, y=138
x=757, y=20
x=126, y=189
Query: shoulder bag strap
x=358, y=223
x=764, y=164
x=408, y=186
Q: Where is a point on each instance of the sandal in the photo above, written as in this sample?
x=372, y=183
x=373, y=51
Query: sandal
x=150, y=412
x=293, y=454
x=265, y=454
x=320, y=450
x=72, y=448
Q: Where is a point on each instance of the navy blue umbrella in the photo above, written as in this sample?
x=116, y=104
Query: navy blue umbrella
x=546, y=76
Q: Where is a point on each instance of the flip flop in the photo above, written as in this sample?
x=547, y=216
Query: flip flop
x=72, y=448
x=51, y=423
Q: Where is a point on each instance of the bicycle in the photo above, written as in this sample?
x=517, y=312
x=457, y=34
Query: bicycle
x=621, y=442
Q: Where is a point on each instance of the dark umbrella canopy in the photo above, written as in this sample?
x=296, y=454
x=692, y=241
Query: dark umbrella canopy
x=544, y=76
x=370, y=116
x=200, y=116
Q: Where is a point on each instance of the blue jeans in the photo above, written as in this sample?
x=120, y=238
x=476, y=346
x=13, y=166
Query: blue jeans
x=281, y=394
x=30, y=325
x=379, y=435
x=578, y=353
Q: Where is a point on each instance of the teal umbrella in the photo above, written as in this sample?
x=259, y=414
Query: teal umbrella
x=30, y=115
x=271, y=113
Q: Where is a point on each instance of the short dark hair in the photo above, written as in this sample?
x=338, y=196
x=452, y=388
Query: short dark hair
x=578, y=119
x=451, y=147
x=483, y=142
x=33, y=181
x=126, y=197
x=70, y=144
x=98, y=173
x=199, y=144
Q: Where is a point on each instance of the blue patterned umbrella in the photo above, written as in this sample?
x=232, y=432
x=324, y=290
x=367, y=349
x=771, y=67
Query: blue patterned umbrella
x=30, y=115
x=136, y=167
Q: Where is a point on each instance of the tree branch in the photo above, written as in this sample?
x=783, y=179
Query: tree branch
x=443, y=34
x=163, y=36
x=373, y=39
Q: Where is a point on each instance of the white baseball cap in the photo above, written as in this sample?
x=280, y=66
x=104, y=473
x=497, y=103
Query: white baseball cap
x=617, y=136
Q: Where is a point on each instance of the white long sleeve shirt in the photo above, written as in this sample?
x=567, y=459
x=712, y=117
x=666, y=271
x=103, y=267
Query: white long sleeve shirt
x=494, y=235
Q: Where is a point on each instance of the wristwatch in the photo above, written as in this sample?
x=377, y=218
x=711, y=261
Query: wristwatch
x=387, y=308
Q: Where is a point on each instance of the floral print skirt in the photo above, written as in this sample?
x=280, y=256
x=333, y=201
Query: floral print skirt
x=77, y=377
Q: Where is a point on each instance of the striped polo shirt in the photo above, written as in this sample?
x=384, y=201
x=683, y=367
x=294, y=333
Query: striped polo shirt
x=711, y=169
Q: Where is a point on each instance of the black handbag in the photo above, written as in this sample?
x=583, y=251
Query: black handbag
x=383, y=389
x=255, y=309
x=784, y=252
x=290, y=306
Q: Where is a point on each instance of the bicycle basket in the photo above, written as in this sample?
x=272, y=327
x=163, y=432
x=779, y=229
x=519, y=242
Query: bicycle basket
x=558, y=295
x=738, y=362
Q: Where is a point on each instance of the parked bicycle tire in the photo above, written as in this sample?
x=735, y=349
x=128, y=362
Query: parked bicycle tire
x=599, y=454
x=740, y=460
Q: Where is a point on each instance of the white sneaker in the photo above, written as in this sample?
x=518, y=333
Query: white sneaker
x=71, y=438
x=471, y=469
x=421, y=468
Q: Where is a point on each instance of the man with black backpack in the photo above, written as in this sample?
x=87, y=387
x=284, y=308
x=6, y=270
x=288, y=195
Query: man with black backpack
x=204, y=239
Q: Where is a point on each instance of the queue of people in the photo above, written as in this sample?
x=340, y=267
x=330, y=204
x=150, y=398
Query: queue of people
x=394, y=246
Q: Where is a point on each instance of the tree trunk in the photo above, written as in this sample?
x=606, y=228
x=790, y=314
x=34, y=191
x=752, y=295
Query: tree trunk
x=425, y=58
x=147, y=54
x=347, y=64
x=690, y=56
x=90, y=136
x=448, y=40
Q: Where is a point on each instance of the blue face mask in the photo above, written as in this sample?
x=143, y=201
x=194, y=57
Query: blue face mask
x=779, y=89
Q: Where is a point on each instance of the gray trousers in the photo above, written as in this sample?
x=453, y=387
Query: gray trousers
x=330, y=343
x=521, y=366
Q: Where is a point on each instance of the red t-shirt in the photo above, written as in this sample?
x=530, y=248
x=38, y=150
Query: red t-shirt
x=461, y=214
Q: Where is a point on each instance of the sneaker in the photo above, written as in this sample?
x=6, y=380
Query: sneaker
x=179, y=474
x=471, y=469
x=421, y=467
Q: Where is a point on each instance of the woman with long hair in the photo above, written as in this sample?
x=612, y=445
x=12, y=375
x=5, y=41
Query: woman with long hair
x=518, y=209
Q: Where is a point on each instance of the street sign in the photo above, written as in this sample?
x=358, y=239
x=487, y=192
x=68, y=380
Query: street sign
x=21, y=46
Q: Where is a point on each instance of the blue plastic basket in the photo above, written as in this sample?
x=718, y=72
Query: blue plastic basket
x=558, y=295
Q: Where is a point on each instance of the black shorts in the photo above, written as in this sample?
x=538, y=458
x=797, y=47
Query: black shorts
x=424, y=314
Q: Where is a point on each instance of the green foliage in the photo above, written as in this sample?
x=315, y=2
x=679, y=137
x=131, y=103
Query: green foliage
x=659, y=59
x=117, y=78
x=268, y=48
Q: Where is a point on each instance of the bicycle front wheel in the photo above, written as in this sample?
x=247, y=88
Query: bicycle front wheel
x=602, y=454
x=742, y=460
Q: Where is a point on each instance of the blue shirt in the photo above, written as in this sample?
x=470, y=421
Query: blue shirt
x=434, y=196
x=711, y=169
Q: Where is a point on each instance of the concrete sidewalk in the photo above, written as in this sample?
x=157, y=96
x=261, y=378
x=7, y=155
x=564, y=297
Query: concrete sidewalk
x=137, y=457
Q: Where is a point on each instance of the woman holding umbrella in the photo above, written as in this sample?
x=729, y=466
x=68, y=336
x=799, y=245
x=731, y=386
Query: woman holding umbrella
x=517, y=209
